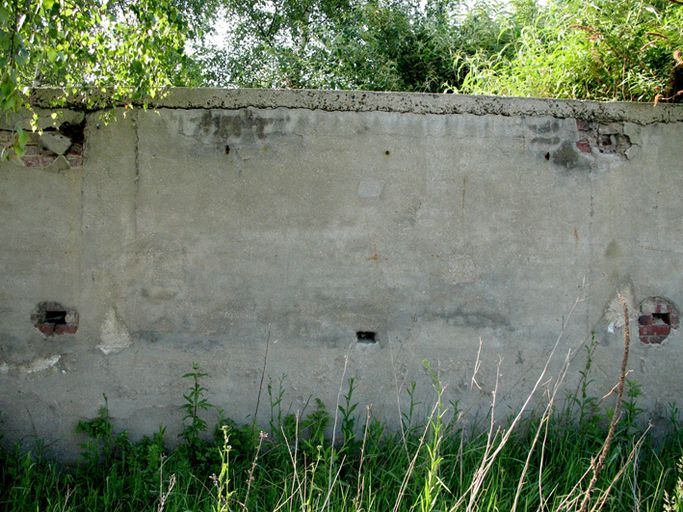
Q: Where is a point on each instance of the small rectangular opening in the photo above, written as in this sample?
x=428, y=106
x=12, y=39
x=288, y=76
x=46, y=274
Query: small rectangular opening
x=662, y=317
x=366, y=337
x=55, y=317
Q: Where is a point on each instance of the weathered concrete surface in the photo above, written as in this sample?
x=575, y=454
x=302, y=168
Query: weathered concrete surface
x=228, y=224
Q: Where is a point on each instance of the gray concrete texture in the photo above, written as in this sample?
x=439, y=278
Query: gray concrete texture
x=223, y=226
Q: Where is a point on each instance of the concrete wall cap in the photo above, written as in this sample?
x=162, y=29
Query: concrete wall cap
x=398, y=102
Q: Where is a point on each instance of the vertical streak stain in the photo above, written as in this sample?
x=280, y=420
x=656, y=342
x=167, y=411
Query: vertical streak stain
x=462, y=198
x=136, y=179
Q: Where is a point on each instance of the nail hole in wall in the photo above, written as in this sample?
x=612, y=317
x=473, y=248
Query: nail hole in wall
x=227, y=149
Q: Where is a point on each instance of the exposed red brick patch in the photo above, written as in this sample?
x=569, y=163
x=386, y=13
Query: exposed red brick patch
x=75, y=155
x=582, y=125
x=74, y=160
x=66, y=329
x=39, y=160
x=657, y=318
x=53, y=318
x=584, y=146
x=36, y=152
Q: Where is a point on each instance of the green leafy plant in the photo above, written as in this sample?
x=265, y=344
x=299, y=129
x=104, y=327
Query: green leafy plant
x=433, y=465
x=224, y=494
x=602, y=50
x=673, y=502
x=194, y=425
x=433, y=485
x=98, y=449
x=348, y=420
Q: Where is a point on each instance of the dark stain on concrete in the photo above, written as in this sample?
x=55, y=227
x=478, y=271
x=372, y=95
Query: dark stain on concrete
x=520, y=359
x=147, y=336
x=565, y=156
x=612, y=250
x=475, y=319
x=244, y=125
x=548, y=141
x=546, y=127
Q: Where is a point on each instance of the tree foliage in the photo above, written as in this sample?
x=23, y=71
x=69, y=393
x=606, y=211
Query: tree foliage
x=131, y=49
x=353, y=44
x=602, y=49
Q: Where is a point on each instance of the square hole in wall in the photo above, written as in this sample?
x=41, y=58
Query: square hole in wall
x=366, y=337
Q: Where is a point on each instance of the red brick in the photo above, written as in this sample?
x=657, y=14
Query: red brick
x=46, y=329
x=652, y=340
x=74, y=160
x=75, y=149
x=582, y=125
x=31, y=149
x=37, y=160
x=645, y=320
x=674, y=320
x=654, y=330
x=584, y=146
x=662, y=330
x=66, y=329
x=32, y=160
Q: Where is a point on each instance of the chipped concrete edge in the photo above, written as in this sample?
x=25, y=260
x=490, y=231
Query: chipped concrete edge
x=398, y=102
x=37, y=365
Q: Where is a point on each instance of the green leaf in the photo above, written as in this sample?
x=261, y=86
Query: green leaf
x=5, y=14
x=22, y=137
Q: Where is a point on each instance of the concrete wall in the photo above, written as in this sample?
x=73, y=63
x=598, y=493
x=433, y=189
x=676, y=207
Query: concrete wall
x=227, y=225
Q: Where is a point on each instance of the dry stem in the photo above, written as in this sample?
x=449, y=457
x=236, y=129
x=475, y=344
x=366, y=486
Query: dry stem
x=598, y=466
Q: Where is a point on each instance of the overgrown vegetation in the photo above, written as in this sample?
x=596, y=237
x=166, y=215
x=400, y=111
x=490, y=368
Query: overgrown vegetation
x=544, y=463
x=123, y=51
x=130, y=49
x=604, y=49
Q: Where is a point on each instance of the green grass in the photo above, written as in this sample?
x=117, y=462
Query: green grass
x=540, y=461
